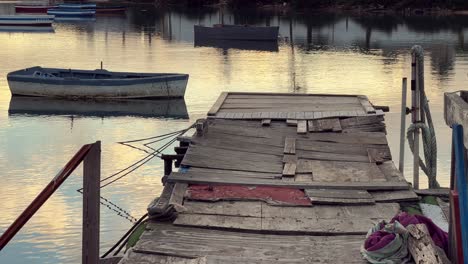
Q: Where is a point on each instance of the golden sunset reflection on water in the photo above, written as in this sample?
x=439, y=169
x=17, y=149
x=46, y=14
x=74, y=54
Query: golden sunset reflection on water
x=329, y=54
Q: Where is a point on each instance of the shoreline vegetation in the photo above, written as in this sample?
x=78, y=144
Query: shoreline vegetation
x=406, y=7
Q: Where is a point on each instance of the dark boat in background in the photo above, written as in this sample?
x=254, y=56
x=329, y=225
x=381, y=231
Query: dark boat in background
x=236, y=32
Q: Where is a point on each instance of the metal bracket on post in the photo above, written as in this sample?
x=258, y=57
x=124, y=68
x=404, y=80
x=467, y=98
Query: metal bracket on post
x=91, y=205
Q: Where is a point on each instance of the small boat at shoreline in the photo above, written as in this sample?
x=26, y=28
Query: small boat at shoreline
x=236, y=32
x=96, y=84
x=26, y=20
x=72, y=12
x=33, y=8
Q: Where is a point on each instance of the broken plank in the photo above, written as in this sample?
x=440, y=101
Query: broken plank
x=324, y=125
x=377, y=138
x=360, y=120
x=219, y=221
x=289, y=158
x=167, y=239
x=391, y=172
x=266, y=122
x=440, y=192
x=236, y=208
x=422, y=247
x=394, y=196
x=178, y=193
x=291, y=122
x=366, y=105
x=302, y=126
x=289, y=170
x=196, y=178
x=378, y=155
x=340, y=171
x=340, y=201
x=331, y=196
x=217, y=105
x=319, y=219
x=333, y=193
x=289, y=146
x=233, y=173
x=317, y=155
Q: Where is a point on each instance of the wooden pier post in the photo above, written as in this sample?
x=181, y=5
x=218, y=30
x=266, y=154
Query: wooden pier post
x=91, y=205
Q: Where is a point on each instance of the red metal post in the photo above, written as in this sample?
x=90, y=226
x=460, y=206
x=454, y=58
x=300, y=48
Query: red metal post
x=43, y=196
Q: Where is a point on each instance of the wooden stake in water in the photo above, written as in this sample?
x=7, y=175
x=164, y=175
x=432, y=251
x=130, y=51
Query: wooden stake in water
x=403, y=125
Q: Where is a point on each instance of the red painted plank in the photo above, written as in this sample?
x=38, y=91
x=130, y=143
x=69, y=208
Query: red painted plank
x=287, y=196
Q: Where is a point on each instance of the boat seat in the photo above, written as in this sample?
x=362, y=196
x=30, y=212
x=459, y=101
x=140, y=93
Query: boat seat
x=43, y=74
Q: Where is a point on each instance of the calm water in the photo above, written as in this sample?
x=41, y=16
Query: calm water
x=317, y=53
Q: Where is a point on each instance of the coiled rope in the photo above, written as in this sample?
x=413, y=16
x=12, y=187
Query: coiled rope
x=429, y=165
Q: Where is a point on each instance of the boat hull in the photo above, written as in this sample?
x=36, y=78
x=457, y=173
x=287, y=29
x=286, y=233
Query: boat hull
x=169, y=89
x=237, y=33
x=71, y=13
x=25, y=20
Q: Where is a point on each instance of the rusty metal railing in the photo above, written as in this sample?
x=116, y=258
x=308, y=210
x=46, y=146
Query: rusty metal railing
x=90, y=155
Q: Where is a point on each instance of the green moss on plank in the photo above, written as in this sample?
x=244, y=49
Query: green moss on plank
x=136, y=234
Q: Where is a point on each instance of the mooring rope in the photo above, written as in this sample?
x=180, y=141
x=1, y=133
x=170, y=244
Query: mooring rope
x=429, y=165
x=134, y=166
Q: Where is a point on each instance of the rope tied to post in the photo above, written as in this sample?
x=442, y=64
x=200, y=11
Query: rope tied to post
x=429, y=165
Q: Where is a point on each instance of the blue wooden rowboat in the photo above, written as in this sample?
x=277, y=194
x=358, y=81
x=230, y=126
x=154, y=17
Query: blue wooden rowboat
x=26, y=20
x=71, y=12
x=96, y=84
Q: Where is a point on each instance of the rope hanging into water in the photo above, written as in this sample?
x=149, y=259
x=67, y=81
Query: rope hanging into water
x=429, y=165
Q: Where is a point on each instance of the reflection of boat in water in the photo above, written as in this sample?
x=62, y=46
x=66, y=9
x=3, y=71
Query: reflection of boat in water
x=237, y=32
x=238, y=44
x=165, y=108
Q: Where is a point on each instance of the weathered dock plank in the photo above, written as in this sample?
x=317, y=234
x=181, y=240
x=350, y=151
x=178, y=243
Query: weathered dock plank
x=289, y=146
x=163, y=240
x=319, y=219
x=217, y=105
x=219, y=179
x=331, y=196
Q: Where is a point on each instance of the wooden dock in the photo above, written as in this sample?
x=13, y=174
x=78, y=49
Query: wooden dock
x=276, y=178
